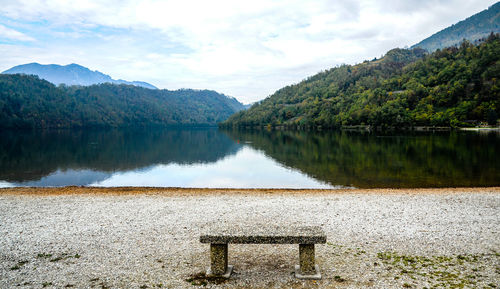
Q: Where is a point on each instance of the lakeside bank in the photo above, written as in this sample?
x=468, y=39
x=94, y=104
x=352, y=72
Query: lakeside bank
x=147, y=237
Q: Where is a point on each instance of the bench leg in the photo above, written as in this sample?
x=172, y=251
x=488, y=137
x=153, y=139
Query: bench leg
x=307, y=268
x=218, y=261
x=306, y=256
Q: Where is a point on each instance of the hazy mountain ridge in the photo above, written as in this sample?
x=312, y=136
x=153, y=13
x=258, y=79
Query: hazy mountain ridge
x=473, y=28
x=27, y=101
x=71, y=74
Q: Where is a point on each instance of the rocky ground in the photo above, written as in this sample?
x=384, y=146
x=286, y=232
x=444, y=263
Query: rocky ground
x=149, y=237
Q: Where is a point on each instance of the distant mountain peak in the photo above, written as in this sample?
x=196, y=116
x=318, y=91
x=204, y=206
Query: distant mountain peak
x=71, y=74
x=473, y=28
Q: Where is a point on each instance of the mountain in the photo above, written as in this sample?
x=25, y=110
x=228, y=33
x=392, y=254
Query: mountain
x=71, y=74
x=456, y=86
x=26, y=101
x=134, y=83
x=473, y=28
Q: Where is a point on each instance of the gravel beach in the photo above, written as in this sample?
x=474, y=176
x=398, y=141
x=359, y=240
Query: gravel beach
x=78, y=237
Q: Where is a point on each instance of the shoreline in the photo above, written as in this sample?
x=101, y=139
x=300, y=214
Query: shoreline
x=132, y=237
x=173, y=191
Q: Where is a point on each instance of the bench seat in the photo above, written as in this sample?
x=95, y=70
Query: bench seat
x=265, y=235
x=306, y=236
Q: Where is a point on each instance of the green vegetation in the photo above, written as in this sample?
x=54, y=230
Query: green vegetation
x=398, y=270
x=44, y=255
x=62, y=256
x=456, y=86
x=438, y=271
x=19, y=265
x=337, y=278
x=473, y=28
x=27, y=101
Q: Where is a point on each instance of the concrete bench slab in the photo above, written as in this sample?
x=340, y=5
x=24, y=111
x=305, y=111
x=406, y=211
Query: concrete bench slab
x=306, y=236
x=264, y=235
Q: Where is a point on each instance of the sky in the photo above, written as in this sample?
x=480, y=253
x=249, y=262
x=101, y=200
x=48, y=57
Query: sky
x=245, y=49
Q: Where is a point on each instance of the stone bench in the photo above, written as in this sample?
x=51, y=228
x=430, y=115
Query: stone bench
x=306, y=237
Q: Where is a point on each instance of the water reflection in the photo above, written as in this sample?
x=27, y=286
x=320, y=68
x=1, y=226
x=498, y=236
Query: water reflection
x=248, y=168
x=69, y=157
x=247, y=159
x=368, y=161
x=67, y=178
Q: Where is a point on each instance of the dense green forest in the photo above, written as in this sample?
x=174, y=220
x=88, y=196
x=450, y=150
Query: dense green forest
x=473, y=28
x=456, y=86
x=27, y=101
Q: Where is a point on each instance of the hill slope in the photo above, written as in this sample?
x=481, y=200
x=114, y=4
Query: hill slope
x=29, y=102
x=473, y=28
x=71, y=74
x=447, y=88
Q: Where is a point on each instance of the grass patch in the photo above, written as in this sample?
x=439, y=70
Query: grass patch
x=18, y=265
x=59, y=258
x=44, y=255
x=351, y=251
x=63, y=256
x=337, y=278
x=439, y=271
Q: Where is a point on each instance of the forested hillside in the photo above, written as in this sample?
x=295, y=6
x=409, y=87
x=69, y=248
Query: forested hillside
x=456, y=86
x=476, y=27
x=27, y=101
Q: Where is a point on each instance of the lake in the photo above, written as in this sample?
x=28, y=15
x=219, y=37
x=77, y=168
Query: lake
x=213, y=158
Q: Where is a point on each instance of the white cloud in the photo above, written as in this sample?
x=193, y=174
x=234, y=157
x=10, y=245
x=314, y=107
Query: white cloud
x=12, y=34
x=245, y=49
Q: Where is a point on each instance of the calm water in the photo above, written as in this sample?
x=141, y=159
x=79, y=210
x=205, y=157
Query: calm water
x=214, y=158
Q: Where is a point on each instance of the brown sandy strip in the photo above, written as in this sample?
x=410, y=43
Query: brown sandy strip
x=74, y=190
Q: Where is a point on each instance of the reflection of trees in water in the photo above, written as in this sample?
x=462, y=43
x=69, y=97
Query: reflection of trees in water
x=367, y=161
x=32, y=155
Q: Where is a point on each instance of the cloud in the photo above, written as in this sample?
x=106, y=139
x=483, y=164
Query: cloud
x=245, y=49
x=12, y=34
